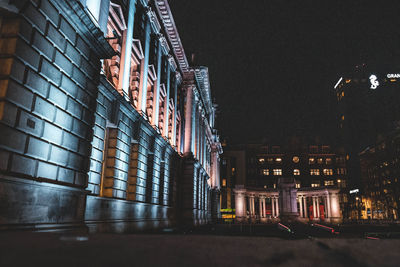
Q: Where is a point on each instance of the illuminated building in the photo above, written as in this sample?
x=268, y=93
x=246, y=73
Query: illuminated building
x=293, y=180
x=380, y=174
x=103, y=122
x=367, y=107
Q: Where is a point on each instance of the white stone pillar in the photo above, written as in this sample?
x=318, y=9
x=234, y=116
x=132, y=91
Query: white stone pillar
x=301, y=206
x=264, y=208
x=126, y=52
x=156, y=103
x=166, y=104
x=253, y=210
x=188, y=121
x=305, y=207
x=273, y=207
x=144, y=69
x=317, y=202
x=314, y=209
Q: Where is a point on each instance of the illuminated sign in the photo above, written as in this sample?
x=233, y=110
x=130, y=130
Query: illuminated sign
x=354, y=191
x=374, y=81
x=341, y=78
x=393, y=75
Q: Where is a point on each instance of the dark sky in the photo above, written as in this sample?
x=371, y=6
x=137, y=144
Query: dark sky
x=273, y=64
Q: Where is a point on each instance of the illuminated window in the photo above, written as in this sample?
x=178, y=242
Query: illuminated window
x=341, y=171
x=261, y=160
x=277, y=171
x=223, y=182
x=328, y=160
x=311, y=160
x=320, y=160
x=328, y=172
x=298, y=184
x=270, y=160
x=265, y=171
x=296, y=172
x=314, y=171
x=274, y=185
x=327, y=183
x=315, y=184
x=278, y=159
x=296, y=159
x=342, y=118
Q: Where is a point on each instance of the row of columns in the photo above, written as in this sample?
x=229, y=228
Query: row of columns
x=262, y=206
x=125, y=72
x=303, y=211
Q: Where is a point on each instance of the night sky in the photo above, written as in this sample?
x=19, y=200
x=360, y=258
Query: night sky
x=273, y=64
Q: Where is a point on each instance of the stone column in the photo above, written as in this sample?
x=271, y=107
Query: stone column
x=264, y=207
x=166, y=105
x=317, y=202
x=188, y=121
x=314, y=209
x=240, y=205
x=144, y=70
x=253, y=211
x=301, y=206
x=175, y=110
x=273, y=207
x=127, y=51
x=260, y=204
x=305, y=207
x=156, y=103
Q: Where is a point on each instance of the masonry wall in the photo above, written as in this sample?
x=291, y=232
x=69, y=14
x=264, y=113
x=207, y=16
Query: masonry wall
x=73, y=151
x=48, y=97
x=138, y=166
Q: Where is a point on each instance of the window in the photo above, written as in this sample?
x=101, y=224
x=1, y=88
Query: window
x=278, y=160
x=320, y=160
x=314, y=172
x=328, y=161
x=296, y=172
x=223, y=182
x=270, y=160
x=341, y=171
x=314, y=149
x=277, y=171
x=311, y=160
x=261, y=160
x=328, y=172
x=298, y=184
x=315, y=184
x=327, y=183
x=296, y=159
x=265, y=171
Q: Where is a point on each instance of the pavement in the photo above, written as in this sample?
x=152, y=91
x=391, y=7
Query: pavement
x=178, y=249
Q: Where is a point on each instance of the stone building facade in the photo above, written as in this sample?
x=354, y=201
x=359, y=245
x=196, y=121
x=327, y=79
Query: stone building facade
x=297, y=179
x=103, y=122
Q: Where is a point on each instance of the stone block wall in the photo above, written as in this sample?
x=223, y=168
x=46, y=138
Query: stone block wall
x=48, y=91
